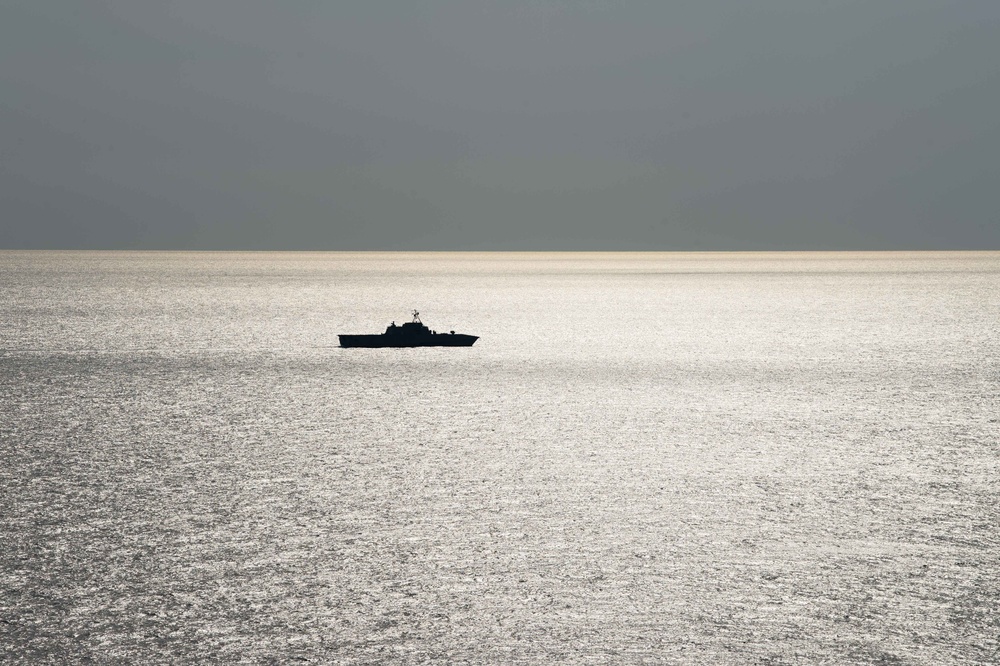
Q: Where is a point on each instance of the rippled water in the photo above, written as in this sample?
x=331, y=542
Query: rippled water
x=679, y=458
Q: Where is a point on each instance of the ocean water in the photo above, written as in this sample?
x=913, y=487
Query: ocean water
x=777, y=458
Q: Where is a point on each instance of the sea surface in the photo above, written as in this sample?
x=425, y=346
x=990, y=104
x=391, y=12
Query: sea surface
x=747, y=458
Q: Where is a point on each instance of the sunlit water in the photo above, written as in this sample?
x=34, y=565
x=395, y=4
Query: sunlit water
x=679, y=458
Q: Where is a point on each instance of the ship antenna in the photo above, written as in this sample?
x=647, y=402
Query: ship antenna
x=416, y=316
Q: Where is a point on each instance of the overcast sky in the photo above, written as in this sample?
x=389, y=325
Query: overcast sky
x=547, y=124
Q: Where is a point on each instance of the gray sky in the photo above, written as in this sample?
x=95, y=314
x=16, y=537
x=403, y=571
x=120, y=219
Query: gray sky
x=409, y=124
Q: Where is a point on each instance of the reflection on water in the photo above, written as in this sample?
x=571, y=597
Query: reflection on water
x=690, y=458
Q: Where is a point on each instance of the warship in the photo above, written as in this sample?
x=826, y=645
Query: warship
x=411, y=334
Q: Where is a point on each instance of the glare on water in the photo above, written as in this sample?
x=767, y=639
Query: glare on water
x=688, y=458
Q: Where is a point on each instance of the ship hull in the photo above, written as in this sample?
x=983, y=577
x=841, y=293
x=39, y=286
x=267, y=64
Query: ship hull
x=434, y=340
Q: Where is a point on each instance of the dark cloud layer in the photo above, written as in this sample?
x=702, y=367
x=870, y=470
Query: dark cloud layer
x=251, y=124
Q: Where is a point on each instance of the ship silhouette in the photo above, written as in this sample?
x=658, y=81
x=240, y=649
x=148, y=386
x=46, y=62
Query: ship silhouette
x=411, y=334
